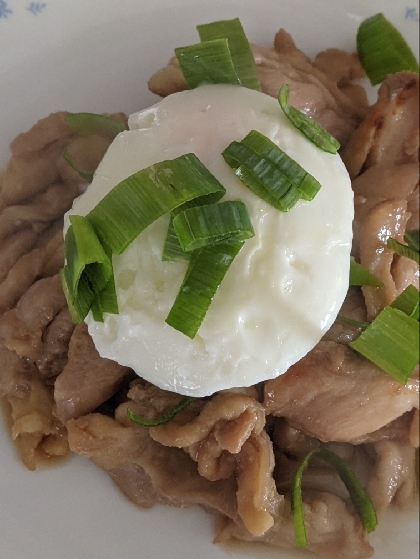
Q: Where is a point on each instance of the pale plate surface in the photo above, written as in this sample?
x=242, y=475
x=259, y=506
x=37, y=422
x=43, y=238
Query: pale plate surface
x=96, y=56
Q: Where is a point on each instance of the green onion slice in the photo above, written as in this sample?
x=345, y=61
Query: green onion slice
x=413, y=239
x=208, y=62
x=205, y=273
x=86, y=176
x=202, y=226
x=87, y=124
x=360, y=276
x=408, y=302
x=140, y=199
x=240, y=51
x=391, y=342
x=172, y=249
x=269, y=172
x=162, y=418
x=361, y=501
x=309, y=127
x=403, y=250
x=88, y=270
x=353, y=322
x=382, y=50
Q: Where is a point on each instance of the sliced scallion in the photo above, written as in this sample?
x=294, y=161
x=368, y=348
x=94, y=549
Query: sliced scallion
x=353, y=322
x=209, y=62
x=269, y=172
x=360, y=276
x=202, y=226
x=408, y=302
x=309, y=127
x=391, y=341
x=382, y=50
x=403, y=250
x=240, y=51
x=88, y=268
x=87, y=124
x=413, y=239
x=86, y=176
x=361, y=501
x=140, y=199
x=206, y=270
x=162, y=418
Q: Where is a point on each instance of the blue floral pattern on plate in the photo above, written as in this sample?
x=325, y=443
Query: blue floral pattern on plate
x=34, y=8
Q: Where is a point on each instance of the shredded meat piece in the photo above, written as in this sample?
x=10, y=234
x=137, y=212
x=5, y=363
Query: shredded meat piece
x=55, y=347
x=311, y=90
x=22, y=328
x=394, y=475
x=47, y=130
x=87, y=379
x=354, y=308
x=136, y=462
x=34, y=427
x=43, y=261
x=345, y=396
x=332, y=529
x=29, y=174
x=390, y=132
x=13, y=248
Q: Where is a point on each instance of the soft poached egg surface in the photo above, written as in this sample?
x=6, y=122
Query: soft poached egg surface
x=283, y=290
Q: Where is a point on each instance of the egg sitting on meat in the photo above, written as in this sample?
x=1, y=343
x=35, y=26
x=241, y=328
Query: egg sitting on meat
x=283, y=290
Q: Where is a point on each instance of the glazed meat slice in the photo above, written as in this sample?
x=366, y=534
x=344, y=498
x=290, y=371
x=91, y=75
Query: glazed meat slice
x=390, y=132
x=22, y=328
x=87, y=380
x=34, y=426
x=335, y=395
x=43, y=261
x=333, y=530
x=311, y=90
x=147, y=471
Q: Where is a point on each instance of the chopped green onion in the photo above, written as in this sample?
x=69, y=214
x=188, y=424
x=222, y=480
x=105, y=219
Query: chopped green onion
x=413, y=239
x=360, y=276
x=361, y=501
x=172, y=249
x=202, y=226
x=86, y=176
x=242, y=58
x=162, y=418
x=353, y=322
x=269, y=172
x=403, y=250
x=204, y=275
x=391, y=342
x=309, y=127
x=209, y=62
x=382, y=49
x=140, y=199
x=87, y=124
x=408, y=302
x=88, y=269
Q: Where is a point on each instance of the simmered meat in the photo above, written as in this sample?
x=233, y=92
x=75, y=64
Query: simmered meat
x=56, y=344
x=390, y=132
x=135, y=462
x=34, y=427
x=87, y=380
x=22, y=328
x=47, y=130
x=335, y=395
x=332, y=529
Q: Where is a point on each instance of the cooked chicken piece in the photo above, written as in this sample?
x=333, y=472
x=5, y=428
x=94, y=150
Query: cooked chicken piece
x=336, y=395
x=333, y=530
x=34, y=427
x=55, y=347
x=87, y=380
x=47, y=130
x=22, y=328
x=390, y=132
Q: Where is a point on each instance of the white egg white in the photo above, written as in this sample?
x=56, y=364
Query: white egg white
x=283, y=290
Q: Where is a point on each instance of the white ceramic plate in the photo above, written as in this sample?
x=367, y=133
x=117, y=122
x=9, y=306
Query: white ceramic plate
x=96, y=55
